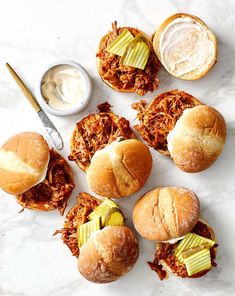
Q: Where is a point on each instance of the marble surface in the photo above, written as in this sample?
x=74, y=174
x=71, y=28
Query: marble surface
x=34, y=33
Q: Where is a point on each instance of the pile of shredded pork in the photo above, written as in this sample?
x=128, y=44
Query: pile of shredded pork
x=124, y=77
x=54, y=191
x=160, y=116
x=165, y=252
x=94, y=132
x=86, y=204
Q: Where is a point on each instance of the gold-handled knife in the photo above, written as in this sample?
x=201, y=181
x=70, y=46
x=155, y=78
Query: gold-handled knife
x=50, y=128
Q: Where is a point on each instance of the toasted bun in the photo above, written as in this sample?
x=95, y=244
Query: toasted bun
x=190, y=48
x=166, y=213
x=134, y=32
x=200, y=274
x=108, y=255
x=197, y=138
x=120, y=169
x=23, y=162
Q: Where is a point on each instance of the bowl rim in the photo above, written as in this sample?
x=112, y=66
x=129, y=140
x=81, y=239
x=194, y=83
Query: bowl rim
x=74, y=109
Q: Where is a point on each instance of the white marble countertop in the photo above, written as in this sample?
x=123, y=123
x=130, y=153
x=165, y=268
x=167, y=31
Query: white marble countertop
x=33, y=33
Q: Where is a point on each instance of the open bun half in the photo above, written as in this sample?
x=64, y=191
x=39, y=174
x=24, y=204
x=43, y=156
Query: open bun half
x=191, y=47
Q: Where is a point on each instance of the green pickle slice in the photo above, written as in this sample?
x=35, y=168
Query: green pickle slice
x=100, y=211
x=119, y=44
x=191, y=240
x=137, y=53
x=114, y=217
x=198, y=262
x=85, y=230
x=110, y=203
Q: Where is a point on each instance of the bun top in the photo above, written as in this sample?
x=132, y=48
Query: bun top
x=120, y=169
x=185, y=46
x=23, y=162
x=166, y=213
x=109, y=254
x=197, y=138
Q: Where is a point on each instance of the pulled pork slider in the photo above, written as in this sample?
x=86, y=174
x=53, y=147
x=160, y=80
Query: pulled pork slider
x=170, y=217
x=40, y=178
x=120, y=169
x=94, y=231
x=122, y=76
x=109, y=254
x=94, y=132
x=178, y=125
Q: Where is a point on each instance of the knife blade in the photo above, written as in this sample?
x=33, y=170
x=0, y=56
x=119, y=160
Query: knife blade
x=49, y=126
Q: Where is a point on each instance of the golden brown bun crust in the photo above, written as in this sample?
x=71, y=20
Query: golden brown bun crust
x=120, y=169
x=156, y=44
x=197, y=139
x=134, y=32
x=166, y=213
x=108, y=255
x=23, y=162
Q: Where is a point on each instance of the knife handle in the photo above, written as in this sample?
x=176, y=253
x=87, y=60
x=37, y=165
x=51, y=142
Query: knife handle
x=24, y=89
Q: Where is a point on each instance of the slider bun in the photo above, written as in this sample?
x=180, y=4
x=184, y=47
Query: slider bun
x=194, y=74
x=166, y=213
x=134, y=32
x=23, y=162
x=200, y=274
x=197, y=138
x=108, y=255
x=120, y=169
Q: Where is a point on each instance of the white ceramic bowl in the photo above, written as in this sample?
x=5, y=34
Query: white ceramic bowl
x=76, y=108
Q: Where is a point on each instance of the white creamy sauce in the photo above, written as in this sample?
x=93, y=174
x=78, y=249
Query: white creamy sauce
x=63, y=87
x=173, y=240
x=185, y=47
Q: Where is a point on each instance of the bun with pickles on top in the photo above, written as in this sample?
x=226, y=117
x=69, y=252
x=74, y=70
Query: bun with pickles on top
x=126, y=60
x=96, y=234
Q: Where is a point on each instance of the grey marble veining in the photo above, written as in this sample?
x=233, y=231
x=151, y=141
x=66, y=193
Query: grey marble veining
x=33, y=33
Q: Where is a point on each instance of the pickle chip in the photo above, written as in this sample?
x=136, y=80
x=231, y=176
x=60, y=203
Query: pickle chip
x=102, y=210
x=137, y=53
x=114, y=217
x=85, y=230
x=119, y=44
x=194, y=250
x=198, y=262
x=191, y=240
x=110, y=203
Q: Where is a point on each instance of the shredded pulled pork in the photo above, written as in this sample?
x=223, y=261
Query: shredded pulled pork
x=166, y=252
x=124, y=77
x=160, y=116
x=54, y=191
x=94, y=132
x=75, y=217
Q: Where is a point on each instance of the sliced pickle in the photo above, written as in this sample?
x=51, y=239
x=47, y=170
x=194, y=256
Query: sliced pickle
x=109, y=202
x=114, y=217
x=137, y=53
x=119, y=44
x=85, y=231
x=100, y=211
x=198, y=262
x=191, y=240
x=194, y=250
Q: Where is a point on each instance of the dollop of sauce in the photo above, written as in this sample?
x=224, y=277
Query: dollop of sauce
x=63, y=87
x=185, y=46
